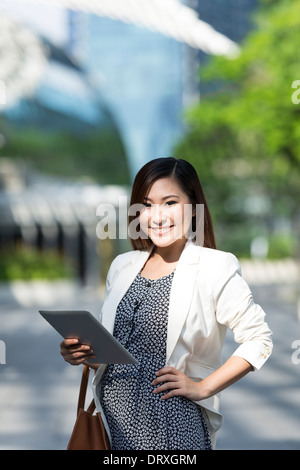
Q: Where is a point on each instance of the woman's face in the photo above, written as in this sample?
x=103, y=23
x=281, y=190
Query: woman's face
x=168, y=213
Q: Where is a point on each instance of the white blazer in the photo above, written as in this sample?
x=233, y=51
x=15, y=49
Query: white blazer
x=208, y=295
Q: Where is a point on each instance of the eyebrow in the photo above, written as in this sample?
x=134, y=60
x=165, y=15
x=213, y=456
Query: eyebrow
x=163, y=198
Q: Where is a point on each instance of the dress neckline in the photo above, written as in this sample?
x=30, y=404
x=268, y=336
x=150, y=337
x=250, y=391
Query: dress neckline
x=157, y=279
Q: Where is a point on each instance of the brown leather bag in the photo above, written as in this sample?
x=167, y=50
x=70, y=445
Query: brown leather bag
x=88, y=432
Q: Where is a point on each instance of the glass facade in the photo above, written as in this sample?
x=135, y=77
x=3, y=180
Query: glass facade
x=61, y=142
x=230, y=17
x=66, y=117
x=141, y=75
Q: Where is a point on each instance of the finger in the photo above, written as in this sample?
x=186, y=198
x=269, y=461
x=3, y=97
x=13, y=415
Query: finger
x=165, y=378
x=172, y=393
x=75, y=348
x=77, y=355
x=77, y=360
x=73, y=344
x=167, y=370
x=69, y=342
x=166, y=386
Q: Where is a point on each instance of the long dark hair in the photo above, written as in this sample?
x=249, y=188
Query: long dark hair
x=186, y=176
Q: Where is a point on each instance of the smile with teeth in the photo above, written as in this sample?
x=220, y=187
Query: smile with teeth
x=162, y=229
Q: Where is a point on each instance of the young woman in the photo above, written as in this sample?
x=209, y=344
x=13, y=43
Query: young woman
x=169, y=301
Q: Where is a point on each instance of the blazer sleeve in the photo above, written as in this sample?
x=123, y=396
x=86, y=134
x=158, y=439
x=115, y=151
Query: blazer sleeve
x=108, y=283
x=236, y=309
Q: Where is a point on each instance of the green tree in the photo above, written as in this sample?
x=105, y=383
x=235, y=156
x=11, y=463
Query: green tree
x=98, y=154
x=244, y=135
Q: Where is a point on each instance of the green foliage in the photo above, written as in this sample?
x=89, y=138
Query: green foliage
x=99, y=155
x=244, y=135
x=282, y=246
x=28, y=264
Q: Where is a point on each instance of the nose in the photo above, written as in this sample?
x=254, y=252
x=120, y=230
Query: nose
x=157, y=215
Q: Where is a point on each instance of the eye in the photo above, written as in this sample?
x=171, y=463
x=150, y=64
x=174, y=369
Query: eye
x=171, y=203
x=147, y=204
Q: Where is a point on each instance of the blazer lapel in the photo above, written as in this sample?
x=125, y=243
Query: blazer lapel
x=181, y=293
x=180, y=296
x=124, y=279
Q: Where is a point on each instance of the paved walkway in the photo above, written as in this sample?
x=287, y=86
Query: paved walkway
x=262, y=411
x=38, y=390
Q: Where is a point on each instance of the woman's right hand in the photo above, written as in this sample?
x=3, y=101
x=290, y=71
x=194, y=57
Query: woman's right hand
x=74, y=352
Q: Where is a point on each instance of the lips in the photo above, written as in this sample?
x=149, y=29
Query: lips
x=161, y=230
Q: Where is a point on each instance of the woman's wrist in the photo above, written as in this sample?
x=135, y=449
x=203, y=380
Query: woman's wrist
x=203, y=391
x=234, y=369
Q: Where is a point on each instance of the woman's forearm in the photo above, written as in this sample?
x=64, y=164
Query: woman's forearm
x=175, y=382
x=230, y=372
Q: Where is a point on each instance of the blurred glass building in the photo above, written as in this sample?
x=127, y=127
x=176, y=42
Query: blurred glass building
x=52, y=119
x=109, y=98
x=233, y=18
x=63, y=116
x=142, y=57
x=144, y=83
x=152, y=79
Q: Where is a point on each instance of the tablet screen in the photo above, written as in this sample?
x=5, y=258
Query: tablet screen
x=83, y=325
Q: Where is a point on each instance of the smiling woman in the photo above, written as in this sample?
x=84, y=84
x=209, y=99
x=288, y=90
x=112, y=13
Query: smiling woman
x=169, y=302
x=172, y=193
x=165, y=219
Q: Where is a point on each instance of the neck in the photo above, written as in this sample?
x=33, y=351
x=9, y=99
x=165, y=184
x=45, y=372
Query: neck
x=170, y=253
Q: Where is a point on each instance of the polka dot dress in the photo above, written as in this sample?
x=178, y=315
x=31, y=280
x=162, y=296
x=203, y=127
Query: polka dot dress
x=138, y=419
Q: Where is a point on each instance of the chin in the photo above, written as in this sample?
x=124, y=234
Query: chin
x=161, y=243
x=164, y=241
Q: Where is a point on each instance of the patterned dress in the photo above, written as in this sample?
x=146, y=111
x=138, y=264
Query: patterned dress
x=138, y=419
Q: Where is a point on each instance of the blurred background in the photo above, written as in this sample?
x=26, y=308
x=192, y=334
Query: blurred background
x=90, y=93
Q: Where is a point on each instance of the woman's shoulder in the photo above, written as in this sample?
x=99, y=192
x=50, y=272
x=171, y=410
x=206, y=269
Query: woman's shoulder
x=122, y=258
x=216, y=267
x=127, y=257
x=218, y=259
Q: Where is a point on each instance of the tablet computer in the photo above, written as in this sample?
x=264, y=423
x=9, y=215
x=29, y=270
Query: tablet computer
x=83, y=325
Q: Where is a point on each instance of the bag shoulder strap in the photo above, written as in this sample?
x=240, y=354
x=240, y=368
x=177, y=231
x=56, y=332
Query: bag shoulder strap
x=83, y=388
x=82, y=392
